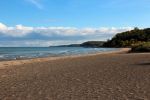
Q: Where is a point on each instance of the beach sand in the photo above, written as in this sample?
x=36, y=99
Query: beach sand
x=102, y=76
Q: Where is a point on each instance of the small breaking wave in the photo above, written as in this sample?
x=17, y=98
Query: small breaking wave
x=36, y=52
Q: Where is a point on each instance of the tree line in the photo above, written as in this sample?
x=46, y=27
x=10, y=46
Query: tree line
x=129, y=38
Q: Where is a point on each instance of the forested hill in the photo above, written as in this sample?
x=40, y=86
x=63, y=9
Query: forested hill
x=92, y=44
x=129, y=38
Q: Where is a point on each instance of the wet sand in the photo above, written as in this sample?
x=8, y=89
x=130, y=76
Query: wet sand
x=108, y=76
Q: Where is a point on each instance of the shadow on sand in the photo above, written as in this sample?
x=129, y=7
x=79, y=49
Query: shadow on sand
x=145, y=64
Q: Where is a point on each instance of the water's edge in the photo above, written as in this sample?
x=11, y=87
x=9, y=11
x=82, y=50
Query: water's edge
x=7, y=64
x=7, y=54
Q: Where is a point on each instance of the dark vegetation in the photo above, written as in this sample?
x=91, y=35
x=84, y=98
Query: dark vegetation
x=129, y=38
x=71, y=45
x=137, y=39
x=94, y=44
x=143, y=47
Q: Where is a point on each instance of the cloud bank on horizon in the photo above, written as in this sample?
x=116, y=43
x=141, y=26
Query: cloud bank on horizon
x=20, y=35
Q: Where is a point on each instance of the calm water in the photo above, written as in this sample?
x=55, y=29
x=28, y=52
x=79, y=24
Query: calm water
x=10, y=53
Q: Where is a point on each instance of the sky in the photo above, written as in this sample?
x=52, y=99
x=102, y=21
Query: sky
x=55, y=22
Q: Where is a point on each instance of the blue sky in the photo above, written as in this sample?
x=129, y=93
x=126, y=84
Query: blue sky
x=53, y=22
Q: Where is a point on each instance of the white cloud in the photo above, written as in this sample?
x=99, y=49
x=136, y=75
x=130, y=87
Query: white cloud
x=2, y=26
x=36, y=43
x=20, y=35
x=20, y=30
x=17, y=31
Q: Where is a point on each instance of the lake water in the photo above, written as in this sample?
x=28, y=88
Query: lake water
x=10, y=53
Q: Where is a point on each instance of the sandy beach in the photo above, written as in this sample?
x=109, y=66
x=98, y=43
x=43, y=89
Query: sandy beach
x=102, y=76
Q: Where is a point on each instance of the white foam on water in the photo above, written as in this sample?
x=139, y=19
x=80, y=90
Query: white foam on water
x=27, y=53
x=1, y=56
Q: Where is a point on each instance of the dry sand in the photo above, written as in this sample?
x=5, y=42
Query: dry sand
x=107, y=76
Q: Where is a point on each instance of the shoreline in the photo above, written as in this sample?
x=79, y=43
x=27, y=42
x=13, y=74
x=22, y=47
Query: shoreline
x=102, y=76
x=4, y=64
